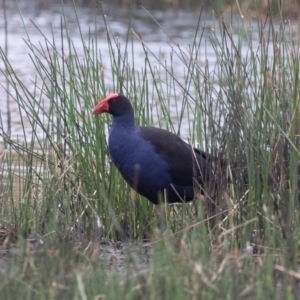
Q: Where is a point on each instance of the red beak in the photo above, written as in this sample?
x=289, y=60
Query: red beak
x=100, y=108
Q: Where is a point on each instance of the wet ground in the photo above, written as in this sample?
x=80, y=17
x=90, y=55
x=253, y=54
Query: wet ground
x=114, y=257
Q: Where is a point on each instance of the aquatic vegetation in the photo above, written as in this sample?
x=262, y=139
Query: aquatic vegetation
x=64, y=206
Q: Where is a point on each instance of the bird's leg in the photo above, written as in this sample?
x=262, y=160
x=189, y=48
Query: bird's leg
x=200, y=197
x=161, y=225
x=157, y=209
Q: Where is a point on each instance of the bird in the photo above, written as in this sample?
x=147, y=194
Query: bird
x=156, y=163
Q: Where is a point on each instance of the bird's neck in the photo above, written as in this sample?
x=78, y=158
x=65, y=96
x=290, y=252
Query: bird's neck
x=126, y=120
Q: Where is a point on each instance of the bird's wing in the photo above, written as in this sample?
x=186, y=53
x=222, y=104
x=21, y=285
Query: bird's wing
x=185, y=162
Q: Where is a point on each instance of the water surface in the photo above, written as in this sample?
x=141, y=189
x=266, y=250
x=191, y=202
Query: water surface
x=176, y=28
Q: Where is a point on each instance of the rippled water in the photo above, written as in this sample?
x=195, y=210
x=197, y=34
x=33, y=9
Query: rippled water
x=179, y=25
x=176, y=27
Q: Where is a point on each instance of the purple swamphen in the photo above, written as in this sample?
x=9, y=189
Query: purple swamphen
x=156, y=163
